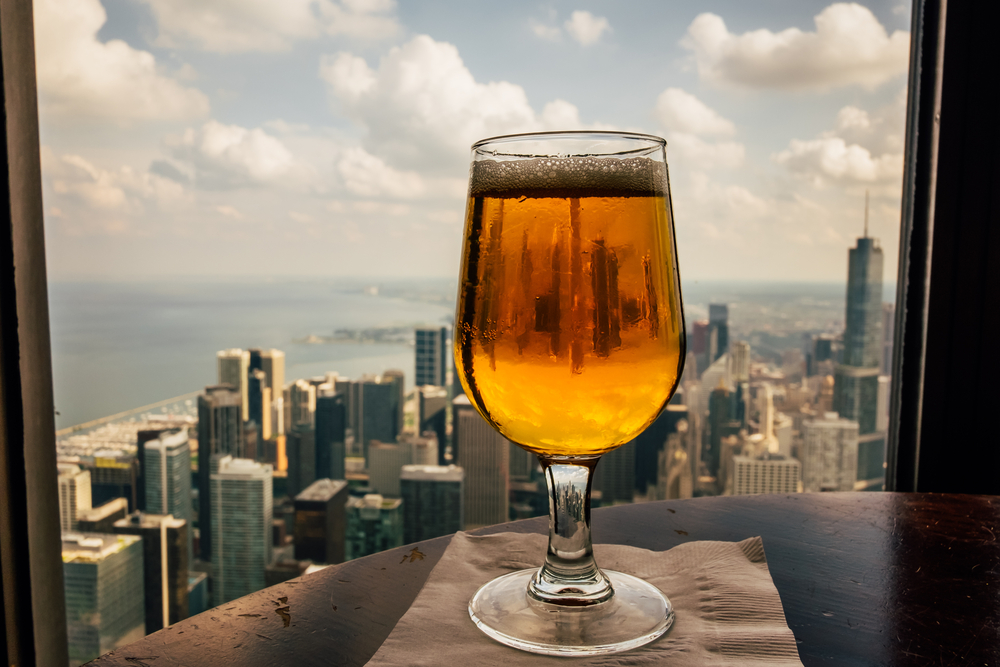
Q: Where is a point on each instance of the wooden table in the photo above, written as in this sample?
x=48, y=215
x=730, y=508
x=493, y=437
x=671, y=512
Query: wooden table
x=865, y=579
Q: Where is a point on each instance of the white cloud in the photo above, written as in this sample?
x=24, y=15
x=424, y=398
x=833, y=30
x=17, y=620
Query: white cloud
x=78, y=76
x=693, y=152
x=368, y=176
x=849, y=47
x=864, y=148
x=547, y=32
x=234, y=26
x=229, y=211
x=423, y=109
x=84, y=198
x=680, y=111
x=832, y=159
x=228, y=156
x=586, y=28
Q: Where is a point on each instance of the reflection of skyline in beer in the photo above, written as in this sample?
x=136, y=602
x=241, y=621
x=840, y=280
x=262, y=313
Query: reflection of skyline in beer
x=608, y=308
x=569, y=293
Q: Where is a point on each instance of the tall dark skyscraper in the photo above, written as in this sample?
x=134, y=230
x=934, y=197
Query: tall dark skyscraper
x=432, y=501
x=321, y=521
x=718, y=330
x=431, y=356
x=331, y=427
x=220, y=433
x=374, y=411
x=855, y=392
x=170, y=564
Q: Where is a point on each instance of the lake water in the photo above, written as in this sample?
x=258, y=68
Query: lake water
x=121, y=346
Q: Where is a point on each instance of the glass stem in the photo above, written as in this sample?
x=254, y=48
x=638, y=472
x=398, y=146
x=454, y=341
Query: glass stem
x=570, y=575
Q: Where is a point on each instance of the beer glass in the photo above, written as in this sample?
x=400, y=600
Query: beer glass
x=569, y=341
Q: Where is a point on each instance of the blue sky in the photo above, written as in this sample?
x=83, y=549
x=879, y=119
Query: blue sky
x=329, y=137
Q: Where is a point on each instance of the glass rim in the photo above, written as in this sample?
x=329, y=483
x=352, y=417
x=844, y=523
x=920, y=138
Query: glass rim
x=648, y=142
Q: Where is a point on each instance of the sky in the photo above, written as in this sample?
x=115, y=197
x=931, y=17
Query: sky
x=325, y=138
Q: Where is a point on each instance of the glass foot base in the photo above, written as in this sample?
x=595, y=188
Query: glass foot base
x=637, y=614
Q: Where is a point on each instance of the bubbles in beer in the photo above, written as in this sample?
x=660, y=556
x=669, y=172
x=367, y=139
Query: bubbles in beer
x=568, y=177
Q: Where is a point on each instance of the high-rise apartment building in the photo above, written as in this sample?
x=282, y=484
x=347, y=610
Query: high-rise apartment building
x=614, y=476
x=102, y=519
x=74, y=494
x=234, y=364
x=103, y=579
x=432, y=415
x=168, y=475
x=321, y=521
x=331, y=435
x=115, y=474
x=220, y=433
x=398, y=381
x=740, y=352
x=272, y=362
x=764, y=473
x=300, y=445
x=431, y=356
x=829, y=453
x=374, y=524
x=165, y=565
x=241, y=527
x=432, y=501
x=259, y=402
x=374, y=411
x=484, y=455
x=718, y=330
x=300, y=405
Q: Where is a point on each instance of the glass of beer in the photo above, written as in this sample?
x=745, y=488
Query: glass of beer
x=569, y=341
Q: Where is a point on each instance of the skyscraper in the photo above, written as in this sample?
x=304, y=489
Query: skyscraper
x=741, y=361
x=74, y=494
x=855, y=391
x=103, y=580
x=272, y=362
x=432, y=501
x=259, y=401
x=829, y=453
x=241, y=527
x=484, y=455
x=699, y=344
x=385, y=460
x=431, y=356
x=374, y=408
x=718, y=330
x=321, y=521
x=102, y=519
x=374, y=524
x=220, y=433
x=614, y=476
x=301, y=449
x=234, y=364
x=331, y=434
x=300, y=405
x=165, y=565
x=168, y=475
x=398, y=381
x=432, y=415
x=765, y=473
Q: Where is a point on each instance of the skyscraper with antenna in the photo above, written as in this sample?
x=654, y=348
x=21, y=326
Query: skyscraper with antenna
x=855, y=393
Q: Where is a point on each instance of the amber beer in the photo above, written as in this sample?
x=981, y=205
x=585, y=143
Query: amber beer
x=569, y=339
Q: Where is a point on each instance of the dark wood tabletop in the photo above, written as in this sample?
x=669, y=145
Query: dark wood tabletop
x=865, y=579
